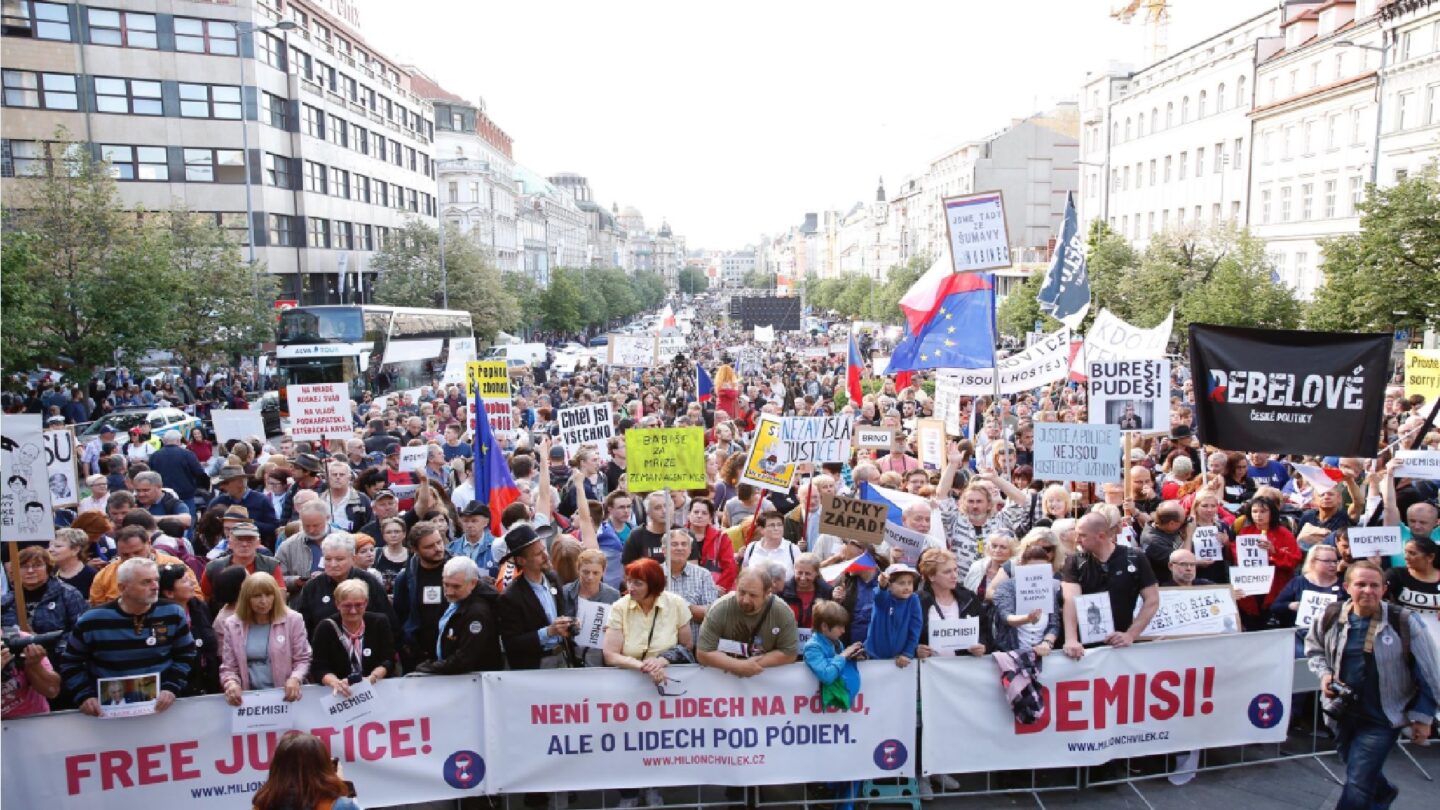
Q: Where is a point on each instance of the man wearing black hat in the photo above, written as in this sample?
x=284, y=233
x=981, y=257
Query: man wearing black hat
x=307, y=470
x=534, y=612
x=467, y=634
x=475, y=541
x=234, y=490
x=1183, y=438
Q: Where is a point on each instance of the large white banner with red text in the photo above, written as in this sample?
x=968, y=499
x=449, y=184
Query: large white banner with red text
x=1151, y=698
x=591, y=729
x=420, y=741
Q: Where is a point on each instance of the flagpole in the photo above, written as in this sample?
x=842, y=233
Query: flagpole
x=995, y=374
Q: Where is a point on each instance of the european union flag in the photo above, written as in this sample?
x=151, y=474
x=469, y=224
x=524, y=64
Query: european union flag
x=960, y=332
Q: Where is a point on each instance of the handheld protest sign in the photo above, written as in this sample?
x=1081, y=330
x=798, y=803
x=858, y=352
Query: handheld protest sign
x=764, y=466
x=660, y=458
x=62, y=465
x=853, y=519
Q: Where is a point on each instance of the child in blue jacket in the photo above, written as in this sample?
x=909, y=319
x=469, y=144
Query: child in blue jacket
x=897, y=618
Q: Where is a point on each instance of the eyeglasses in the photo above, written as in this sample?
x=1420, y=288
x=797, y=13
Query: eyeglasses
x=662, y=692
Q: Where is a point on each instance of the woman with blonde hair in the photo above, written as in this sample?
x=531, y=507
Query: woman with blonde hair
x=727, y=390
x=264, y=645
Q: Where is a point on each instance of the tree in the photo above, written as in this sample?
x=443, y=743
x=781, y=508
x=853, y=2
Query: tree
x=693, y=281
x=1240, y=291
x=651, y=289
x=410, y=276
x=1386, y=276
x=1021, y=308
x=522, y=287
x=561, y=304
x=622, y=299
x=758, y=279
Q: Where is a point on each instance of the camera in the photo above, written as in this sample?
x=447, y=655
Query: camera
x=17, y=640
x=1346, y=699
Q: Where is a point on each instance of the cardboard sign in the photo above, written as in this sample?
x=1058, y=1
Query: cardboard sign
x=816, y=440
x=60, y=464
x=1133, y=395
x=947, y=404
x=1422, y=373
x=413, y=458
x=874, y=438
x=591, y=618
x=1418, y=464
x=1248, y=552
x=1253, y=581
x=910, y=543
x=344, y=711
x=1378, y=541
x=766, y=467
x=127, y=697
x=1202, y=610
x=853, y=519
x=265, y=710
x=1095, y=617
x=25, y=511
x=320, y=411
x=657, y=458
x=632, y=351
x=930, y=440
x=238, y=424
x=1206, y=543
x=587, y=424
x=950, y=636
x=489, y=387
x=1312, y=606
x=975, y=226
x=1078, y=453
x=1035, y=586
x=462, y=353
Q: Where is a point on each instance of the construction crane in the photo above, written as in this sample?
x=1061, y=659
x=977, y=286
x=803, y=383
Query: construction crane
x=1155, y=16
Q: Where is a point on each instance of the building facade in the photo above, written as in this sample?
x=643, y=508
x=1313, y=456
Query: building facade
x=475, y=168
x=183, y=97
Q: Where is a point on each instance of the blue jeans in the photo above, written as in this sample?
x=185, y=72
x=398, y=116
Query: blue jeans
x=1363, y=748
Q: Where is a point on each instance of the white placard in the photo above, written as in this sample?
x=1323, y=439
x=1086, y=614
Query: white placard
x=1044, y=362
x=802, y=636
x=1253, y=581
x=1034, y=588
x=816, y=440
x=25, y=510
x=632, y=351
x=237, y=423
x=61, y=468
x=1206, y=543
x=975, y=225
x=265, y=710
x=413, y=458
x=1197, y=610
x=1095, y=617
x=320, y=411
x=910, y=543
x=1312, y=605
x=949, y=636
x=587, y=424
x=565, y=363
x=765, y=334
x=669, y=346
x=874, y=438
x=1375, y=541
x=1110, y=339
x=1418, y=464
x=1248, y=553
x=344, y=711
x=878, y=365
x=591, y=618
x=930, y=439
x=462, y=351
x=127, y=697
x=1078, y=453
x=1133, y=395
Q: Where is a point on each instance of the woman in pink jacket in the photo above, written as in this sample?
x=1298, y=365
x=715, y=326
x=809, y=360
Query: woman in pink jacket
x=264, y=645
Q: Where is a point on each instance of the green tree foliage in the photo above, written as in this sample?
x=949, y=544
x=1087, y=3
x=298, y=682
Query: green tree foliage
x=1021, y=309
x=562, y=303
x=409, y=276
x=693, y=281
x=526, y=292
x=864, y=298
x=1387, y=276
x=758, y=280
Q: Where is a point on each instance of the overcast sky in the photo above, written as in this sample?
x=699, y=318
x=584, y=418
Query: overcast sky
x=735, y=119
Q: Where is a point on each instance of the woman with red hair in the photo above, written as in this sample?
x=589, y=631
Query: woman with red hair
x=649, y=626
x=727, y=390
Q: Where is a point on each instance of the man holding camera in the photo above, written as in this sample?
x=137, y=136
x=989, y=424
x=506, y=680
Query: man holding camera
x=1377, y=675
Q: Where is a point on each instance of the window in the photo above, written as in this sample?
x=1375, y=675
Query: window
x=474, y=192
x=1170, y=115
x=1302, y=267
x=1267, y=147
x=362, y=188
x=1240, y=99
x=210, y=101
x=1114, y=180
x=1339, y=66
x=397, y=196
x=457, y=122
x=212, y=36
x=1165, y=219
x=127, y=96
x=269, y=49
x=23, y=158
x=1184, y=163
x=395, y=152
x=382, y=235
x=377, y=145
x=1127, y=129
x=46, y=91
x=1219, y=157
x=1307, y=138
x=136, y=162
x=319, y=232
x=1307, y=200
x=282, y=230
x=214, y=166
x=1239, y=154
x=360, y=139
x=1215, y=209
x=1332, y=128
x=1287, y=143
x=37, y=20
x=344, y=235
x=1169, y=161
x=303, y=63
x=410, y=159
x=1179, y=217
x=231, y=223
x=276, y=110
x=382, y=193
x=1432, y=99
x=337, y=132
x=1220, y=98
x=348, y=88
x=316, y=178
x=125, y=28
x=366, y=234
x=1199, y=162
x=1152, y=171
x=1404, y=110
x=277, y=171
x=1330, y=199
x=312, y=121
x=340, y=183
x=1265, y=207
x=1355, y=116
x=1154, y=123
x=414, y=201
x=1285, y=204
x=1185, y=109
x=453, y=191
x=1357, y=194
x=1200, y=105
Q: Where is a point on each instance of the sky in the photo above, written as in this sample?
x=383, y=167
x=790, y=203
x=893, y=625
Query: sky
x=732, y=120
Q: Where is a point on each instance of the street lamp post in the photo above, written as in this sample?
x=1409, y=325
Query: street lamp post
x=252, y=30
x=1384, y=51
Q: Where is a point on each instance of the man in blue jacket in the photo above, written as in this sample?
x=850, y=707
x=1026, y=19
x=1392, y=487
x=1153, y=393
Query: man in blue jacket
x=234, y=491
x=179, y=469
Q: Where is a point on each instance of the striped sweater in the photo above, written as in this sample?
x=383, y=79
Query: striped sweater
x=107, y=642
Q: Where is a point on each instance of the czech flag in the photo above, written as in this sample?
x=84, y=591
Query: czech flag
x=865, y=562
x=853, y=366
x=492, y=473
x=897, y=501
x=704, y=386
x=959, y=332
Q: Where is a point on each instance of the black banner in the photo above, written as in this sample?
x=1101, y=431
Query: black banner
x=1283, y=391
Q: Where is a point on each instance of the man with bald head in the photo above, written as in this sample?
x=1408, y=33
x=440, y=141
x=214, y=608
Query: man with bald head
x=1101, y=566
x=1183, y=565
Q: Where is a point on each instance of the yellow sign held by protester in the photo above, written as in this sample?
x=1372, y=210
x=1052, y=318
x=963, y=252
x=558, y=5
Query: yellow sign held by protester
x=767, y=466
x=1422, y=373
x=657, y=458
x=489, y=385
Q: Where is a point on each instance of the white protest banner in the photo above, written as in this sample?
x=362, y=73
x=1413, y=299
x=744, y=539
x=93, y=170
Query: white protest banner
x=947, y=404
x=591, y=618
x=320, y=411
x=488, y=386
x=765, y=334
x=632, y=351
x=1206, y=542
x=61, y=467
x=1376, y=541
x=1249, y=553
x=565, y=363
x=874, y=438
x=25, y=510
x=265, y=710
x=1079, y=453
x=606, y=728
x=878, y=365
x=413, y=458
x=816, y=439
x=423, y=743
x=1035, y=587
x=237, y=423
x=462, y=353
x=668, y=346
x=1130, y=394
x=1112, y=339
x=346, y=711
x=930, y=441
x=910, y=542
x=1312, y=606
x=950, y=636
x=1119, y=702
x=1253, y=581
x=1044, y=362
x=1418, y=464
x=1203, y=610
x=975, y=227
x=1096, y=617
x=587, y=424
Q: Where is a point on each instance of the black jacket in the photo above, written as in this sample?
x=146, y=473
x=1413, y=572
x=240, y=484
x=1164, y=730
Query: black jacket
x=330, y=656
x=205, y=677
x=471, y=641
x=521, y=618
x=969, y=604
x=316, y=600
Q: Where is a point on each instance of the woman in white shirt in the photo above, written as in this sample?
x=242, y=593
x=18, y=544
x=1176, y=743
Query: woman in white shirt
x=772, y=545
